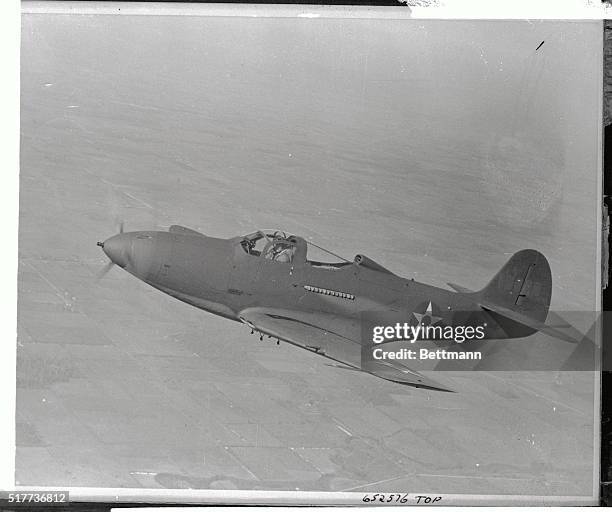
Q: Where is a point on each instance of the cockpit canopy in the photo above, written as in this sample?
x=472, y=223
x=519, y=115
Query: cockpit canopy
x=278, y=246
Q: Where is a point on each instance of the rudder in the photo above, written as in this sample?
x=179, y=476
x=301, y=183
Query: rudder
x=524, y=285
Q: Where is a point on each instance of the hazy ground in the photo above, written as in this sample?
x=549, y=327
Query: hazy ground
x=435, y=148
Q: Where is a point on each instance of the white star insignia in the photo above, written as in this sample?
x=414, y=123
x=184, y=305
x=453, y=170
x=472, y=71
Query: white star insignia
x=428, y=314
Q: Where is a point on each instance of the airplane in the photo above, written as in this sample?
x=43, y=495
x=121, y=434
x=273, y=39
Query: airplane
x=290, y=289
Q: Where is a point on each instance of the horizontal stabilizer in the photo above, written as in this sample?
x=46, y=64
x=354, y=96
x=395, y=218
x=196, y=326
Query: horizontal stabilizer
x=528, y=321
x=459, y=288
x=554, y=320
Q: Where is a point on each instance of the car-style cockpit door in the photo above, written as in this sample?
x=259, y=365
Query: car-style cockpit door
x=282, y=265
x=269, y=262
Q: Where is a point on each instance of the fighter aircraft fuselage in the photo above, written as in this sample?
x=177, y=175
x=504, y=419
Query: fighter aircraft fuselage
x=269, y=282
x=216, y=275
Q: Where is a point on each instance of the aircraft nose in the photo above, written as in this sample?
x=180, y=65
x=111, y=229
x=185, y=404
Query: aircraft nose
x=117, y=249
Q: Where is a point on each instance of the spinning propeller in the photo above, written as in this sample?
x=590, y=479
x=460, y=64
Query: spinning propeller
x=105, y=270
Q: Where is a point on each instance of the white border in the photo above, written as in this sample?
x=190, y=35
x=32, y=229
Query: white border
x=235, y=497
x=10, y=38
x=440, y=9
x=9, y=209
x=217, y=9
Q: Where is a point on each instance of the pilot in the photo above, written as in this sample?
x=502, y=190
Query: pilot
x=285, y=255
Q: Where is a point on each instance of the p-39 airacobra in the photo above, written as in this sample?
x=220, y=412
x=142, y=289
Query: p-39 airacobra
x=270, y=281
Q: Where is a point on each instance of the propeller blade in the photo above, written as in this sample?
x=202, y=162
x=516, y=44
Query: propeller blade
x=105, y=270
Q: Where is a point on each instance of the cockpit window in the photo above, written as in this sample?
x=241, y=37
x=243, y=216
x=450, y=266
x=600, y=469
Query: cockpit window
x=254, y=244
x=278, y=246
x=274, y=246
x=319, y=257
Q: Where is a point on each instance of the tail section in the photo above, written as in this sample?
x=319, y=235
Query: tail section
x=523, y=287
x=518, y=297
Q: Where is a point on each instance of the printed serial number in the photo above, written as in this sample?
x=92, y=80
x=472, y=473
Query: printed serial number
x=400, y=498
x=36, y=497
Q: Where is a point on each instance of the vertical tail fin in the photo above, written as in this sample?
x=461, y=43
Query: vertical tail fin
x=523, y=285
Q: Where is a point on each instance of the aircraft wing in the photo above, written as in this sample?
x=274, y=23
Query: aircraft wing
x=328, y=335
x=395, y=371
x=334, y=337
x=530, y=322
